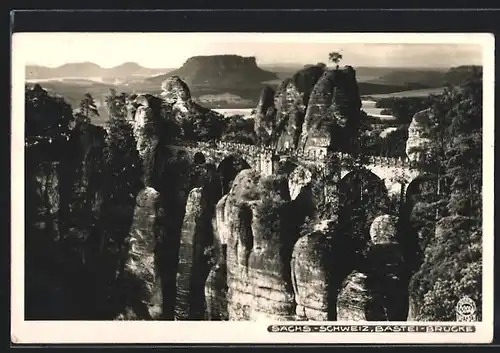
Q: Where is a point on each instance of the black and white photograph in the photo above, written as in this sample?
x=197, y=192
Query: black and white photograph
x=259, y=179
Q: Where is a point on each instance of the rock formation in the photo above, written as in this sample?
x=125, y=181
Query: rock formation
x=386, y=265
x=194, y=261
x=264, y=117
x=297, y=180
x=317, y=272
x=271, y=248
x=314, y=108
x=269, y=263
x=419, y=144
x=144, y=125
x=356, y=302
x=141, y=281
x=291, y=101
x=258, y=250
x=176, y=93
x=280, y=114
x=216, y=285
x=334, y=103
x=42, y=189
x=239, y=244
x=377, y=290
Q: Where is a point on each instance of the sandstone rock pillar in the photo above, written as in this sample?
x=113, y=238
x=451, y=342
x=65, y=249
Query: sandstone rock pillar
x=216, y=290
x=240, y=298
x=193, y=266
x=377, y=291
x=269, y=268
x=141, y=280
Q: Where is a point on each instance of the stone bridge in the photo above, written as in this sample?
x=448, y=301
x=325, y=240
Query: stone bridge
x=393, y=171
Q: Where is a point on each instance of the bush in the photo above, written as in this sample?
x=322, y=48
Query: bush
x=452, y=269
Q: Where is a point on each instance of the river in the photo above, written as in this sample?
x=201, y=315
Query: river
x=366, y=105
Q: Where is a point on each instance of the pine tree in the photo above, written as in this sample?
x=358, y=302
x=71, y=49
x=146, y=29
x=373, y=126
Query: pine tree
x=88, y=109
x=335, y=58
x=46, y=115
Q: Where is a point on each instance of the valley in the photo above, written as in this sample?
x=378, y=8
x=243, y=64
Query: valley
x=237, y=86
x=205, y=194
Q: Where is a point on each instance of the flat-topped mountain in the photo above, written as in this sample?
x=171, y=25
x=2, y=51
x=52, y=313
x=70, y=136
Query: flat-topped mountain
x=219, y=70
x=89, y=69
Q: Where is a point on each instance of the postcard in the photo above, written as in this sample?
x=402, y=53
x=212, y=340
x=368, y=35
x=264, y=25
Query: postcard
x=252, y=188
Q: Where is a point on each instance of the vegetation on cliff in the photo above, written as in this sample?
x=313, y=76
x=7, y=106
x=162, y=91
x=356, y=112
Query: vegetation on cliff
x=98, y=175
x=452, y=261
x=46, y=115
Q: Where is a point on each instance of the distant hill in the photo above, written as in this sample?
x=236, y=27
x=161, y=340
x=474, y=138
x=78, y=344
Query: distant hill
x=397, y=77
x=457, y=75
x=454, y=76
x=425, y=78
x=226, y=71
x=238, y=83
x=90, y=70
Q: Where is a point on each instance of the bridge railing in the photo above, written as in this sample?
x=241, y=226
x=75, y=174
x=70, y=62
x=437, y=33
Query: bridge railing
x=311, y=155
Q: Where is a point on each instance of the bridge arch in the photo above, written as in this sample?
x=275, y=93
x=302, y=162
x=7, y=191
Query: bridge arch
x=228, y=168
x=199, y=158
x=422, y=188
x=363, y=196
x=419, y=187
x=286, y=167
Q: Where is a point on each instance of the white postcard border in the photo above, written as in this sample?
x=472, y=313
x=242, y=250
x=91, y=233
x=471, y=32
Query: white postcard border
x=168, y=332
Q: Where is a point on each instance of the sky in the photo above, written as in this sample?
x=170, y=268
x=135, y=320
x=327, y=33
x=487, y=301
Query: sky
x=170, y=50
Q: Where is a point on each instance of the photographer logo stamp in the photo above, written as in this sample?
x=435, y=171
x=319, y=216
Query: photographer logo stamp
x=466, y=309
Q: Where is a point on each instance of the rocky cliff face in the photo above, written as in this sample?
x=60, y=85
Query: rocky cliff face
x=418, y=144
x=285, y=109
x=64, y=227
x=176, y=93
x=314, y=108
x=333, y=110
x=377, y=290
x=194, y=261
x=144, y=124
x=258, y=251
x=292, y=99
x=216, y=285
x=155, y=117
x=141, y=281
x=265, y=115
x=42, y=189
x=267, y=270
x=317, y=272
x=297, y=180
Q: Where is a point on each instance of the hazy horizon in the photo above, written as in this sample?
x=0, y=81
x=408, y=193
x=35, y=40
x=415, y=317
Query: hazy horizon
x=171, y=50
